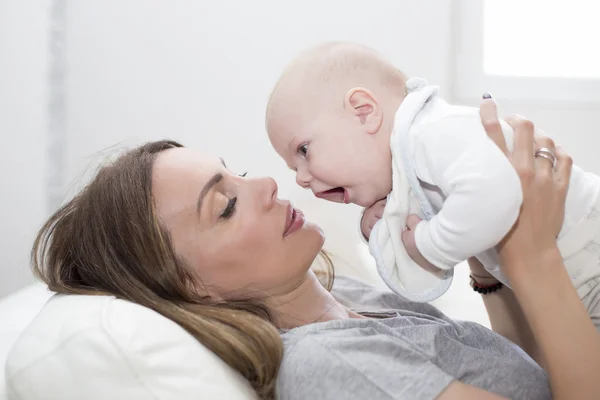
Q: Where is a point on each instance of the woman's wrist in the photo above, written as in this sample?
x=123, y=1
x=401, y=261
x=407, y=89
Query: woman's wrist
x=525, y=270
x=479, y=274
x=483, y=280
x=485, y=288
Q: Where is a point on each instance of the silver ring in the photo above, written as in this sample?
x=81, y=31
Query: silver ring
x=546, y=153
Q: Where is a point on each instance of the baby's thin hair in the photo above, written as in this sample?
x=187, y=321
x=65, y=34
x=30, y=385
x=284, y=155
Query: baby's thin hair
x=352, y=61
x=340, y=63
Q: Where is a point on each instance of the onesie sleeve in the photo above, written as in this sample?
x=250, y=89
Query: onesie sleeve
x=482, y=190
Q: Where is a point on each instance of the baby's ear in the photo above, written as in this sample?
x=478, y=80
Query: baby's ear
x=363, y=105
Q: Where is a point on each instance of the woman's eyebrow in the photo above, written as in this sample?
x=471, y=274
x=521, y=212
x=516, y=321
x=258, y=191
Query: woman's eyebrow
x=209, y=185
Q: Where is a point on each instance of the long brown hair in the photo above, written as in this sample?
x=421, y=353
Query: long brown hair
x=108, y=240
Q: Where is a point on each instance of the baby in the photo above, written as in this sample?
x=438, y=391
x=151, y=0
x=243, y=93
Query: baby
x=356, y=130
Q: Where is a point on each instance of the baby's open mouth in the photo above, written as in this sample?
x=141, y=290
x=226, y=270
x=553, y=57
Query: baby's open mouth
x=337, y=195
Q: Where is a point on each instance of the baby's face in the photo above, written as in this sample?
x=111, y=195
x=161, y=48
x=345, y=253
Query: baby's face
x=334, y=157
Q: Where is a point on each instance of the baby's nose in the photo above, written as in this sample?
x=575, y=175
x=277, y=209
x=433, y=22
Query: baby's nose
x=303, y=179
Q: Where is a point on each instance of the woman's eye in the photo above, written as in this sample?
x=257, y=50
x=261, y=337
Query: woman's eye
x=303, y=150
x=230, y=209
x=243, y=175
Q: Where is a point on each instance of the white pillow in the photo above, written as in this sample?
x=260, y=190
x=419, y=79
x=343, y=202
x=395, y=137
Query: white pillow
x=99, y=347
x=17, y=310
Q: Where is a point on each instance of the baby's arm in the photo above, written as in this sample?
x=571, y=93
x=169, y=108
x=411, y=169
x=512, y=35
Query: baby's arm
x=482, y=190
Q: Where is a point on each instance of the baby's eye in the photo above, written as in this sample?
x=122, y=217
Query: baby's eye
x=303, y=150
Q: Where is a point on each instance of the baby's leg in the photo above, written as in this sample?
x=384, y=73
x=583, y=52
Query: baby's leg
x=591, y=301
x=584, y=269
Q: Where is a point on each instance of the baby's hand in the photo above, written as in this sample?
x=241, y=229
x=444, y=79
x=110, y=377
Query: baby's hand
x=371, y=215
x=408, y=238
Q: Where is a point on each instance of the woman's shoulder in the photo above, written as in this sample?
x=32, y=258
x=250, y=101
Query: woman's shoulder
x=360, y=296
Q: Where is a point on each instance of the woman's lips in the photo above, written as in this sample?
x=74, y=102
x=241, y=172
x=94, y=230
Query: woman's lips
x=337, y=195
x=294, y=221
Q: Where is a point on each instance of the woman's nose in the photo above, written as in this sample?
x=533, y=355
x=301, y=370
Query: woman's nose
x=271, y=192
x=264, y=190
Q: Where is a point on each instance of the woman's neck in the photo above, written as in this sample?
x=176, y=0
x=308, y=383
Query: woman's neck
x=307, y=303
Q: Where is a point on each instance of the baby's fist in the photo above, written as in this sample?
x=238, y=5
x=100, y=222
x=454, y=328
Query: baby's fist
x=371, y=215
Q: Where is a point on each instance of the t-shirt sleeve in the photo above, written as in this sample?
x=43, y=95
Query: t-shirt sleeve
x=373, y=367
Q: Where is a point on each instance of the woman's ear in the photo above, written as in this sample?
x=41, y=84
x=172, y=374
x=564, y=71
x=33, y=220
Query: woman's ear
x=363, y=105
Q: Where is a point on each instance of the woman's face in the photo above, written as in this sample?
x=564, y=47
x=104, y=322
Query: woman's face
x=238, y=237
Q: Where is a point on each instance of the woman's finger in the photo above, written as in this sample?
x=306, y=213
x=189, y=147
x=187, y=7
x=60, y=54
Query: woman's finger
x=523, y=141
x=564, y=163
x=489, y=118
x=545, y=154
x=542, y=140
x=539, y=134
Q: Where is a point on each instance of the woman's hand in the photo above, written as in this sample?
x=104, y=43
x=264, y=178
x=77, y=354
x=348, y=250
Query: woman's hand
x=544, y=188
x=567, y=340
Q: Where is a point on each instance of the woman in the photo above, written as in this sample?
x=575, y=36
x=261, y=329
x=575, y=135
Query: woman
x=174, y=230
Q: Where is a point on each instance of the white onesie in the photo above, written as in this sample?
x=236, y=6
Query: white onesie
x=447, y=170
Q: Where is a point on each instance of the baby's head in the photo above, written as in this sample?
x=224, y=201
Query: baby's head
x=330, y=118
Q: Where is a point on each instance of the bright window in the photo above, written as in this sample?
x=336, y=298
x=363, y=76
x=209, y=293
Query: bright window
x=536, y=38
x=528, y=50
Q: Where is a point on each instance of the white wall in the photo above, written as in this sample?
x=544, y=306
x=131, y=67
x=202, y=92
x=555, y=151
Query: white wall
x=200, y=72
x=23, y=76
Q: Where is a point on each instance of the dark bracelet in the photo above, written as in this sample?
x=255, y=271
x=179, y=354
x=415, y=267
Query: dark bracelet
x=482, y=289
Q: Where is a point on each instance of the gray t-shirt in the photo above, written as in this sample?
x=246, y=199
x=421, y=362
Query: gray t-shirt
x=414, y=353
